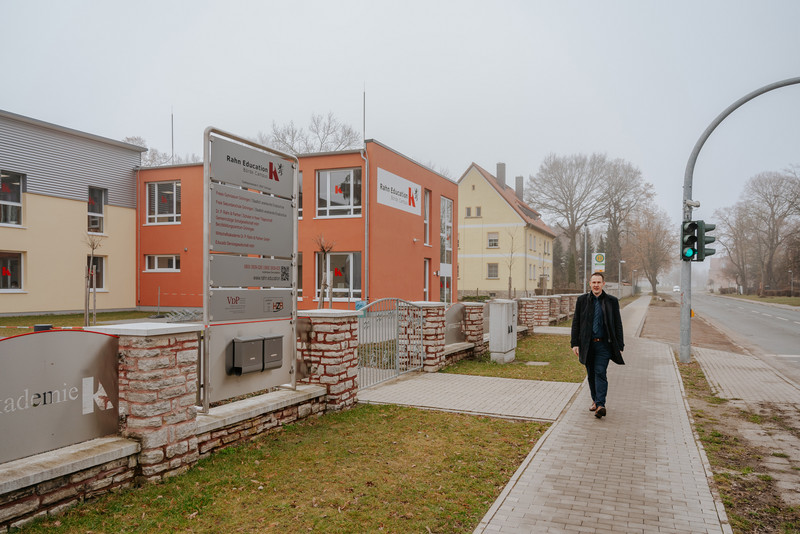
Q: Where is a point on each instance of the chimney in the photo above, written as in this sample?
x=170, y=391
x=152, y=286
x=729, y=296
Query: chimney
x=519, y=187
x=501, y=174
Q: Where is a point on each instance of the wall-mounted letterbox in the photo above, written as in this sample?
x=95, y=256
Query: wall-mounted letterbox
x=255, y=354
x=248, y=355
x=273, y=352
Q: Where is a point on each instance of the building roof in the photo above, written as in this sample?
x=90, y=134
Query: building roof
x=64, y=129
x=527, y=213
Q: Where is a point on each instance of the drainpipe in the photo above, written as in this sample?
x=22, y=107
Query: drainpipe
x=365, y=200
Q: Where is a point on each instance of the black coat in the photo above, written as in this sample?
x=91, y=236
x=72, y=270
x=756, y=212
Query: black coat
x=582, y=326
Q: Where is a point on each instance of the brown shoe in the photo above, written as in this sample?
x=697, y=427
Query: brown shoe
x=600, y=412
x=593, y=407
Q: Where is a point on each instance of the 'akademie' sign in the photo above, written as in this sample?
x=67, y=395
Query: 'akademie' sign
x=57, y=388
x=397, y=192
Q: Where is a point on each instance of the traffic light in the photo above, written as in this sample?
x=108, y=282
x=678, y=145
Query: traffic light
x=688, y=240
x=703, y=239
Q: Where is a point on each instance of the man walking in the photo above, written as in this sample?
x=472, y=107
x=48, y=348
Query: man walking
x=597, y=338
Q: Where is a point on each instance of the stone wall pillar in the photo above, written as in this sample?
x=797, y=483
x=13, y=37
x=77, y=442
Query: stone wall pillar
x=555, y=307
x=329, y=349
x=573, y=301
x=541, y=310
x=564, y=309
x=433, y=330
x=473, y=326
x=157, y=396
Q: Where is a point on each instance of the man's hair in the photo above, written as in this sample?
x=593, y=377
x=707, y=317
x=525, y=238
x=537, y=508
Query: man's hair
x=600, y=274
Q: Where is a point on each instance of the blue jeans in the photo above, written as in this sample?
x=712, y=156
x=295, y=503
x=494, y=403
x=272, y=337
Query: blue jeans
x=596, y=367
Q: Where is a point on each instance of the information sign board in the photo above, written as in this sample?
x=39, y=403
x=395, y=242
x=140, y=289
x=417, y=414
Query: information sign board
x=241, y=271
x=245, y=304
x=244, y=222
x=250, y=168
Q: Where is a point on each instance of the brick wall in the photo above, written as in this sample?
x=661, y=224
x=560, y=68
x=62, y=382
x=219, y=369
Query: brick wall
x=157, y=396
x=330, y=352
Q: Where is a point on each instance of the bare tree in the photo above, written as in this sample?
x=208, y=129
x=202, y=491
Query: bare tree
x=324, y=247
x=512, y=249
x=570, y=189
x=735, y=235
x=771, y=198
x=651, y=246
x=154, y=157
x=624, y=192
x=324, y=134
x=94, y=242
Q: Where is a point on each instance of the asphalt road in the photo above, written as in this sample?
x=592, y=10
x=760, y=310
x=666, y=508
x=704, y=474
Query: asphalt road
x=768, y=331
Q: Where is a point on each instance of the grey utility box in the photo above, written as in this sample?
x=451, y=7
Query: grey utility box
x=273, y=352
x=248, y=355
x=502, y=330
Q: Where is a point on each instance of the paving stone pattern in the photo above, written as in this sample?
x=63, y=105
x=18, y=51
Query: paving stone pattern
x=498, y=397
x=740, y=376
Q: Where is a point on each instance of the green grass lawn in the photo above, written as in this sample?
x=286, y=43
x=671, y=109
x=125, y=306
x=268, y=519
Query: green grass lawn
x=369, y=469
x=562, y=364
x=789, y=301
x=57, y=320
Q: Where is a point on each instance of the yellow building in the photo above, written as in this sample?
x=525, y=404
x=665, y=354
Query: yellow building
x=500, y=237
x=60, y=190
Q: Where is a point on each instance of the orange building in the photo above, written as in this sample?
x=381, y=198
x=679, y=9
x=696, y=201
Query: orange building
x=388, y=223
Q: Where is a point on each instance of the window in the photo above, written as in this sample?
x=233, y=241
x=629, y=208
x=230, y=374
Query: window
x=10, y=270
x=168, y=263
x=345, y=274
x=446, y=232
x=469, y=212
x=339, y=193
x=300, y=196
x=299, y=275
x=163, y=202
x=96, y=270
x=427, y=227
x=426, y=277
x=493, y=240
x=491, y=270
x=95, y=208
x=477, y=211
x=10, y=198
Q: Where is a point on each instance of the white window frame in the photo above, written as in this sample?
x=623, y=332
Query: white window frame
x=468, y=212
x=493, y=240
x=103, y=268
x=300, y=195
x=427, y=223
x=477, y=211
x=496, y=268
x=173, y=217
x=351, y=292
x=426, y=280
x=324, y=186
x=9, y=206
x=158, y=258
x=446, y=231
x=6, y=276
x=92, y=212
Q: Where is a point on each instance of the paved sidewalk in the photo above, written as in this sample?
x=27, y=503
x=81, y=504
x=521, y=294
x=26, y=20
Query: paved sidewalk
x=639, y=469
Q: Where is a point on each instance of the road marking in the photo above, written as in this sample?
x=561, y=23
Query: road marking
x=783, y=318
x=768, y=315
x=796, y=322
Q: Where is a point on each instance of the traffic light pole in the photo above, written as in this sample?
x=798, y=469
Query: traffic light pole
x=688, y=204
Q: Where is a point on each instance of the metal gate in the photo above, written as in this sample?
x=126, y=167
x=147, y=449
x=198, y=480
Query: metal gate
x=389, y=341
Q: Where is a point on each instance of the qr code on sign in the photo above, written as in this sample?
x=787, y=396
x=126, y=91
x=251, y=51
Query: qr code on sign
x=285, y=274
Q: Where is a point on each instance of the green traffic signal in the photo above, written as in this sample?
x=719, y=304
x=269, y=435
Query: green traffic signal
x=688, y=240
x=703, y=239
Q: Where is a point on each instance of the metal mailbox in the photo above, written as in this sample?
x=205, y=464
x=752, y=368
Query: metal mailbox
x=248, y=355
x=273, y=352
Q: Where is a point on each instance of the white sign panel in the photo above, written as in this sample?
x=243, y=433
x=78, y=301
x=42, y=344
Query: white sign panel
x=243, y=304
x=599, y=262
x=247, y=167
x=399, y=193
x=244, y=222
x=241, y=271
